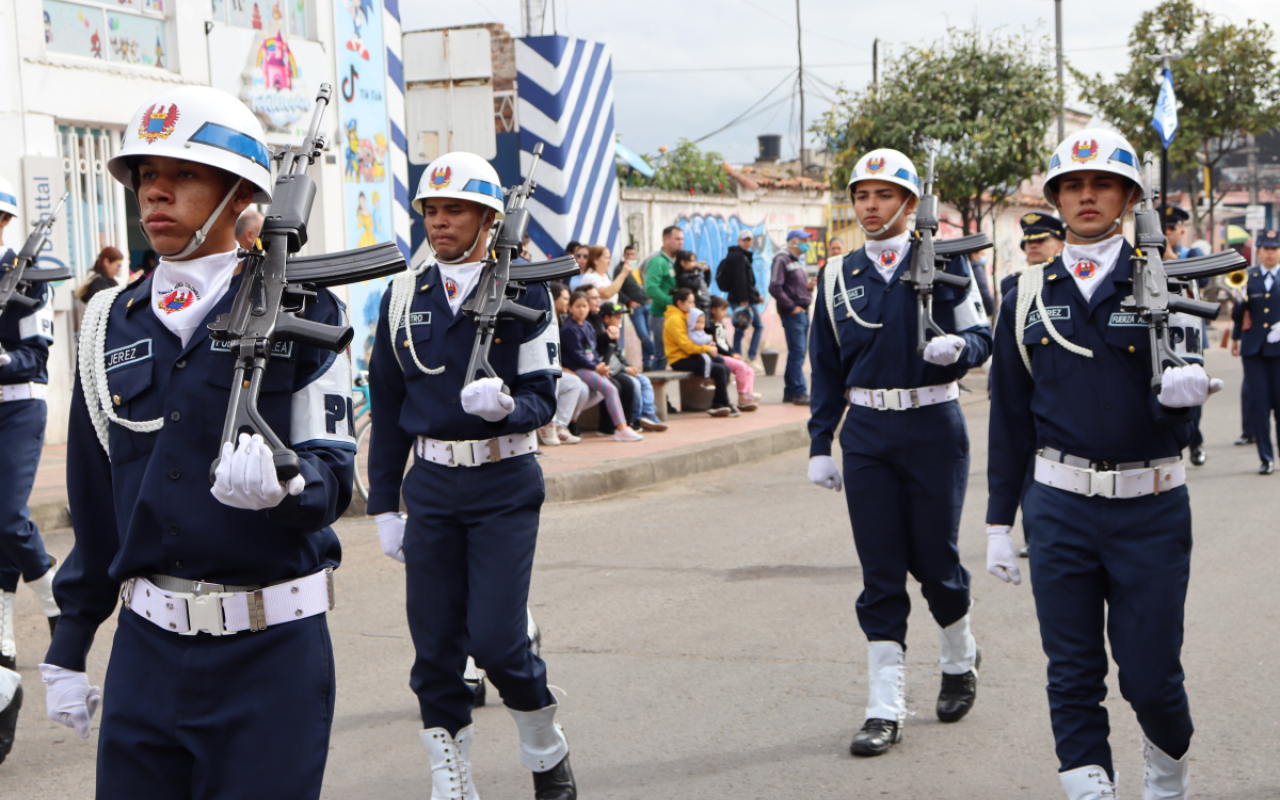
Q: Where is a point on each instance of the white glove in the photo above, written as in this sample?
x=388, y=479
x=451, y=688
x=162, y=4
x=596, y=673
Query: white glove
x=1186, y=387
x=391, y=534
x=824, y=472
x=69, y=699
x=1273, y=336
x=1002, y=561
x=246, y=477
x=486, y=400
x=5, y=358
x=944, y=350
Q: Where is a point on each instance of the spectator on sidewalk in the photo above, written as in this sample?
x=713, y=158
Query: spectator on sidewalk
x=659, y=282
x=693, y=275
x=718, y=319
x=103, y=276
x=579, y=252
x=792, y=288
x=836, y=247
x=579, y=353
x=572, y=398
x=689, y=357
x=611, y=352
x=247, y=228
x=736, y=277
x=560, y=299
x=597, y=273
x=632, y=297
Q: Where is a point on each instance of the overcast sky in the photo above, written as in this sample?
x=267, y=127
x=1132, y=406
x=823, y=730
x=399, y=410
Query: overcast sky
x=684, y=68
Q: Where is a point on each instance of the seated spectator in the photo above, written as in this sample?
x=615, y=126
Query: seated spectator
x=597, y=274
x=560, y=299
x=646, y=414
x=103, y=276
x=572, y=398
x=579, y=353
x=579, y=252
x=700, y=359
x=693, y=275
x=745, y=376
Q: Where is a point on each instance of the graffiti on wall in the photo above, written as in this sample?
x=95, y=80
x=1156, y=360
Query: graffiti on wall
x=710, y=237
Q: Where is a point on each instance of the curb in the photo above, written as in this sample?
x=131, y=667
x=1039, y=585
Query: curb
x=51, y=514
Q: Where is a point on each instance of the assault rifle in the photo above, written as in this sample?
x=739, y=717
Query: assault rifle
x=501, y=284
x=927, y=256
x=275, y=289
x=15, y=276
x=1156, y=289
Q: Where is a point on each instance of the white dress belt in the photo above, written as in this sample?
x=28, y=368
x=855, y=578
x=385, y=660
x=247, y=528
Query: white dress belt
x=1113, y=484
x=23, y=391
x=475, y=453
x=220, y=610
x=903, y=399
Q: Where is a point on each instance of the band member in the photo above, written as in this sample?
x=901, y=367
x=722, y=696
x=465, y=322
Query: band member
x=1042, y=238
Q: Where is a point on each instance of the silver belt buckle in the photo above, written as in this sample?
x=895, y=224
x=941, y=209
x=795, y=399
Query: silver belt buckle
x=204, y=613
x=463, y=455
x=1102, y=484
x=915, y=398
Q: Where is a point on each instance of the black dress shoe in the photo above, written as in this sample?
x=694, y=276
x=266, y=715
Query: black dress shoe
x=875, y=738
x=1267, y=468
x=556, y=783
x=1198, y=456
x=1245, y=439
x=9, y=723
x=958, y=693
x=802, y=400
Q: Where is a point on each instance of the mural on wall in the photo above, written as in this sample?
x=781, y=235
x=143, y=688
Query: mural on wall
x=363, y=136
x=275, y=88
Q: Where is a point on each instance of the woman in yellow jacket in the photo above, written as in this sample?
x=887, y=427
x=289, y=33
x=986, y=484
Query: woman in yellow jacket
x=701, y=359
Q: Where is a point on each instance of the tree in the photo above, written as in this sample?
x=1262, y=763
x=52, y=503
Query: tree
x=1226, y=82
x=684, y=169
x=988, y=99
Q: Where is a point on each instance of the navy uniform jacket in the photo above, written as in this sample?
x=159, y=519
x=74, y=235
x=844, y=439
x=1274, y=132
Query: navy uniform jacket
x=1008, y=283
x=1099, y=408
x=526, y=357
x=26, y=335
x=149, y=509
x=1264, y=314
x=884, y=358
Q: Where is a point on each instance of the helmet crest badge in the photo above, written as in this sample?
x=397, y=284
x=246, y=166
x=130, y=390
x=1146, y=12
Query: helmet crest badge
x=1084, y=150
x=157, y=122
x=440, y=177
x=875, y=165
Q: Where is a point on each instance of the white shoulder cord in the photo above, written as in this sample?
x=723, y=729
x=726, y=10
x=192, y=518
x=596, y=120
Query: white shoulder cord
x=835, y=278
x=1030, y=282
x=402, y=287
x=93, y=369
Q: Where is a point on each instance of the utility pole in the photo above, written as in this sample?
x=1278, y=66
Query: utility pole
x=1163, y=59
x=875, y=66
x=533, y=14
x=800, y=50
x=1062, y=93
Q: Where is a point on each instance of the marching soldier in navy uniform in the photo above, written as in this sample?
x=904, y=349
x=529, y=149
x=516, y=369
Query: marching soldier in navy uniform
x=904, y=443
x=1042, y=238
x=221, y=678
x=1108, y=512
x=474, y=493
x=25, y=336
x=1259, y=346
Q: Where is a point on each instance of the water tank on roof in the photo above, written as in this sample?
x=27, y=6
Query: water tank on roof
x=770, y=147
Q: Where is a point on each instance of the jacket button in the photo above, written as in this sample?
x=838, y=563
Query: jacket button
x=406, y=342
x=175, y=473
x=1266, y=311
x=1132, y=349
x=115, y=398
x=180, y=363
x=174, y=529
x=497, y=341
x=178, y=564
x=1045, y=340
x=175, y=415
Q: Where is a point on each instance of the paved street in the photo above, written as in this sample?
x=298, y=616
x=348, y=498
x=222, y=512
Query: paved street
x=703, y=633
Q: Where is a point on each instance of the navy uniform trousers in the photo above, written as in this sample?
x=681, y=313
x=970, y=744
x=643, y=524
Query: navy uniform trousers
x=1262, y=379
x=905, y=474
x=1134, y=555
x=468, y=548
x=22, y=552
x=239, y=717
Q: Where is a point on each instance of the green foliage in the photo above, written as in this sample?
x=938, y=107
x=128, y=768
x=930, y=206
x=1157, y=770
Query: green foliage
x=682, y=169
x=1226, y=82
x=989, y=100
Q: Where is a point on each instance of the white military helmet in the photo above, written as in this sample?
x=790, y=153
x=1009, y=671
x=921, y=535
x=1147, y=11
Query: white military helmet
x=8, y=199
x=200, y=124
x=887, y=165
x=1093, y=149
x=466, y=176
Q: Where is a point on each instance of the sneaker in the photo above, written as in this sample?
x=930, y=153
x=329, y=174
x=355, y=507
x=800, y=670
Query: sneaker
x=733, y=412
x=547, y=436
x=723, y=411
x=629, y=436
x=745, y=403
x=708, y=384
x=802, y=400
x=652, y=425
x=566, y=437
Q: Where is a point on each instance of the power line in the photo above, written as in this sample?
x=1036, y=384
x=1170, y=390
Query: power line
x=744, y=114
x=769, y=13
x=736, y=69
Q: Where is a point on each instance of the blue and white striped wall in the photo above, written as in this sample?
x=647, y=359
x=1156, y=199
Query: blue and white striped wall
x=400, y=222
x=565, y=91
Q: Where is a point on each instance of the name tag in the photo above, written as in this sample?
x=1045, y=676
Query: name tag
x=129, y=354
x=281, y=349
x=852, y=294
x=1055, y=313
x=419, y=318
x=1122, y=320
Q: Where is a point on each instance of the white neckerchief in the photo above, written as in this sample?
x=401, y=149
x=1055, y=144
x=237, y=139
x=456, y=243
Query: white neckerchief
x=887, y=254
x=459, y=280
x=1090, y=264
x=182, y=292
x=1269, y=276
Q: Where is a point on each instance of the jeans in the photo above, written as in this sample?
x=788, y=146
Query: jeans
x=659, y=347
x=757, y=330
x=796, y=327
x=640, y=318
x=647, y=409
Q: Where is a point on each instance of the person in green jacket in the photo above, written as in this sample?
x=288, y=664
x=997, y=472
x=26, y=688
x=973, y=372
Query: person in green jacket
x=659, y=283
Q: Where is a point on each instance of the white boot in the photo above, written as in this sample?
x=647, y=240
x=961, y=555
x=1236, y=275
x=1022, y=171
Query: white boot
x=450, y=764
x=957, y=649
x=1088, y=783
x=8, y=647
x=886, y=677
x=43, y=588
x=10, y=705
x=542, y=742
x=1164, y=778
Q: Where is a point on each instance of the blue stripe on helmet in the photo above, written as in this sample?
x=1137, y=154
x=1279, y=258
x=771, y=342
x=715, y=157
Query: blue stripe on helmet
x=483, y=187
x=903, y=174
x=1125, y=157
x=8, y=198
x=242, y=144
x=1055, y=161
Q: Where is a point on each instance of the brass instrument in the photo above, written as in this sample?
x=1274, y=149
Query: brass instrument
x=1237, y=279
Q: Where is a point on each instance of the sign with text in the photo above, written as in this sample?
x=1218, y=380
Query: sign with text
x=43, y=183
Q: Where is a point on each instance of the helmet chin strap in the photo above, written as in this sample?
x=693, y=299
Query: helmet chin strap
x=883, y=228
x=1105, y=234
x=199, y=236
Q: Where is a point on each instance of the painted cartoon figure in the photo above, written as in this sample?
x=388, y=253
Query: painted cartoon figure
x=364, y=221
x=361, y=12
x=95, y=44
x=352, y=171
x=379, y=157
x=277, y=63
